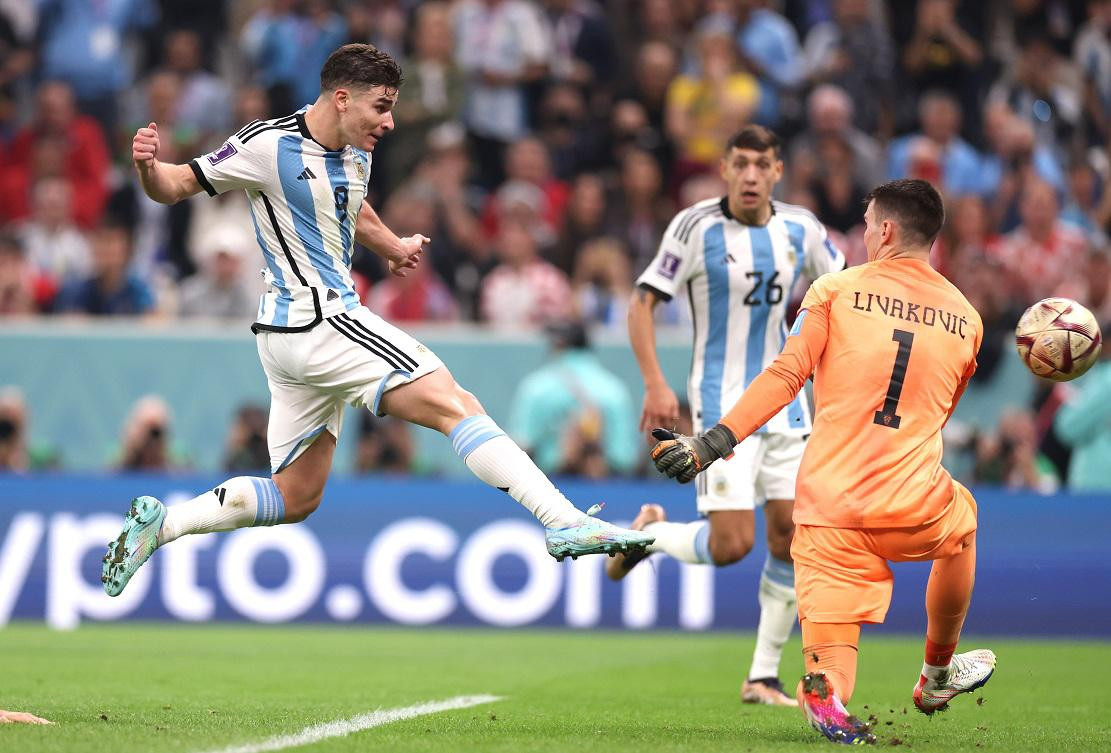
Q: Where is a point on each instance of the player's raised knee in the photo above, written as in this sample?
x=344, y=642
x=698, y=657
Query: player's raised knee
x=725, y=550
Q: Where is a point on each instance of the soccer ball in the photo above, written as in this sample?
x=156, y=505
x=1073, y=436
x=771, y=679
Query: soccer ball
x=1058, y=339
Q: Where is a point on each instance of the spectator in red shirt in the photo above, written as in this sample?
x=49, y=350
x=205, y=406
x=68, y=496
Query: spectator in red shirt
x=82, y=157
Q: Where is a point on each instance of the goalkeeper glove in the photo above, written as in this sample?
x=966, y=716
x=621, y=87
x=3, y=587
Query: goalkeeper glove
x=682, y=458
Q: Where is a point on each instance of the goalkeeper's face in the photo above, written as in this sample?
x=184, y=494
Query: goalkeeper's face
x=751, y=176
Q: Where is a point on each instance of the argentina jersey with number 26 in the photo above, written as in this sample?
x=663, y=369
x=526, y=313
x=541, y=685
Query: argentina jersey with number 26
x=304, y=201
x=739, y=279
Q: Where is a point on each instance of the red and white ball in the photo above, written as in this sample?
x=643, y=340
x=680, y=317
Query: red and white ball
x=1058, y=339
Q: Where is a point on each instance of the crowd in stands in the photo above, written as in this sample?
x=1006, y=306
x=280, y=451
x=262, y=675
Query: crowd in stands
x=544, y=145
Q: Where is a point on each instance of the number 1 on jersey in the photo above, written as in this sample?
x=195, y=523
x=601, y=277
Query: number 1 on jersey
x=887, y=417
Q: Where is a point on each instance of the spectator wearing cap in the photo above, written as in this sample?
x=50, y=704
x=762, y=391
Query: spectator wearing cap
x=573, y=415
x=221, y=288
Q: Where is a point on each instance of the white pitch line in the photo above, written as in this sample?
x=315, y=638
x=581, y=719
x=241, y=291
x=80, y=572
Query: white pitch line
x=342, y=727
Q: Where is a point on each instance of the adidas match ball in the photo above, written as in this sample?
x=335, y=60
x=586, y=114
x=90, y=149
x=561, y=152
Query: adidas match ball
x=1058, y=339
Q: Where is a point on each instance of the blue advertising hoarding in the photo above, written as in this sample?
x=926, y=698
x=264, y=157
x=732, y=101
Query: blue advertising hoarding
x=393, y=550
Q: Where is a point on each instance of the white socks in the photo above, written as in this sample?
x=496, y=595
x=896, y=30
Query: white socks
x=686, y=542
x=778, y=612
x=497, y=460
x=237, y=503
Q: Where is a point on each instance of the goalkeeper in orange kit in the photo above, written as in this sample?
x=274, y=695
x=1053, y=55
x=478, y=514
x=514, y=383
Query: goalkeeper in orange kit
x=892, y=345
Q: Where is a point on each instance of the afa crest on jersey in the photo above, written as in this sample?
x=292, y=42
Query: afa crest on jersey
x=360, y=168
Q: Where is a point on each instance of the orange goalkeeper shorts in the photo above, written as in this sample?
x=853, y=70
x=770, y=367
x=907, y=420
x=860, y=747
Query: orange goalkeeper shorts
x=842, y=575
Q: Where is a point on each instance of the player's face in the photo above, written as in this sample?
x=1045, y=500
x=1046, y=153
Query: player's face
x=366, y=115
x=751, y=176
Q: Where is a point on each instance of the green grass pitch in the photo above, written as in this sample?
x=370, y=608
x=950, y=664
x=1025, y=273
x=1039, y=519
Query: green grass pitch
x=154, y=688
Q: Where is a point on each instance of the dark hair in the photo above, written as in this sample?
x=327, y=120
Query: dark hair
x=360, y=65
x=755, y=137
x=914, y=205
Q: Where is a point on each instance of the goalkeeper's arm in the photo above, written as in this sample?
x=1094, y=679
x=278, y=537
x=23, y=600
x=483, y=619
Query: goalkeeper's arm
x=683, y=458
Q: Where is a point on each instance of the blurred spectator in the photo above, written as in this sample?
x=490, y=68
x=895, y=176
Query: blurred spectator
x=1084, y=422
x=654, y=68
x=940, y=116
x=204, y=104
x=1045, y=90
x=769, y=50
x=602, y=283
x=146, y=442
x=58, y=142
x=16, y=57
x=523, y=290
x=23, y=289
x=967, y=239
x=1092, y=57
x=84, y=44
x=247, y=449
x=386, y=446
x=17, y=454
x=158, y=99
x=630, y=128
x=527, y=162
x=1013, y=156
x=287, y=42
x=705, y=108
x=584, y=221
x=853, y=51
x=582, y=50
x=572, y=138
x=838, y=195
x=433, y=92
x=638, y=212
x=830, y=115
x=1082, y=205
x=501, y=45
x=54, y=245
x=221, y=289
x=573, y=415
x=1043, y=252
x=992, y=291
x=942, y=51
x=111, y=288
x=1010, y=457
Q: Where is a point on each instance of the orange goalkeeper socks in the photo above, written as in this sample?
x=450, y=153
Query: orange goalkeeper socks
x=831, y=648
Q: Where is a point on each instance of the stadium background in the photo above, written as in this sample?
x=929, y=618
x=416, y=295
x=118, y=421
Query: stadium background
x=545, y=183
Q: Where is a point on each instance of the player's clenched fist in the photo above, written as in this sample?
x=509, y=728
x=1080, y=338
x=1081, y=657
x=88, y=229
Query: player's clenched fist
x=144, y=147
x=682, y=458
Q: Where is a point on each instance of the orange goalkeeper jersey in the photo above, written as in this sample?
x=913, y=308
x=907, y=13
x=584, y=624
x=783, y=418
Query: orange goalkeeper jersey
x=892, y=345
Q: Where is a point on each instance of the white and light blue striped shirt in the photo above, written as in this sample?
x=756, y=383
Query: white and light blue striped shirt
x=739, y=280
x=304, y=201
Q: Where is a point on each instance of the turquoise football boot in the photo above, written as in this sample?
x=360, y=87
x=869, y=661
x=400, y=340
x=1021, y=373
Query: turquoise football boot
x=136, y=543
x=594, y=536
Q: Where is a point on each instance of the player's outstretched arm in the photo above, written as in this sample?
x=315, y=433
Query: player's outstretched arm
x=164, y=182
x=402, y=254
x=661, y=406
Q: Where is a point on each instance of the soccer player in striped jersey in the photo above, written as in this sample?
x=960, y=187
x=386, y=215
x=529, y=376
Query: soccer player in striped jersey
x=738, y=257
x=306, y=179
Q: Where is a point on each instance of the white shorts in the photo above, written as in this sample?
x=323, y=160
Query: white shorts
x=763, y=467
x=349, y=358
